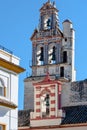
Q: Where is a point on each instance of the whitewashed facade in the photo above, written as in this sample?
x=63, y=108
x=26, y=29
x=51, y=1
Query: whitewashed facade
x=9, y=71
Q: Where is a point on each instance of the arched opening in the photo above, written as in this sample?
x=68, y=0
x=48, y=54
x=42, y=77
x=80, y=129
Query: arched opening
x=47, y=23
x=45, y=105
x=42, y=55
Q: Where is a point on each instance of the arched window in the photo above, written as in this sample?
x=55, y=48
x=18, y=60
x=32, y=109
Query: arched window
x=40, y=55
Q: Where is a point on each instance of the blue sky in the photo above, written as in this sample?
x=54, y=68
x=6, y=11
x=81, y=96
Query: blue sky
x=19, y=18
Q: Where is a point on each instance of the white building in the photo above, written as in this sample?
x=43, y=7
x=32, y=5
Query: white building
x=9, y=72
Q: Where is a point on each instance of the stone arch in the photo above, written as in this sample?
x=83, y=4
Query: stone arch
x=45, y=91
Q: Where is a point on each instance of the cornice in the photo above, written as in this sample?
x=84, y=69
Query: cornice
x=11, y=66
x=7, y=103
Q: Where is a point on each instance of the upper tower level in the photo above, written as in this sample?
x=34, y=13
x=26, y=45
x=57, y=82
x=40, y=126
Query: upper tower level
x=53, y=48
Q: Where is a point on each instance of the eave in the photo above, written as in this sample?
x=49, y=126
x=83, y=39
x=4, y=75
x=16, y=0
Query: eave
x=7, y=104
x=11, y=66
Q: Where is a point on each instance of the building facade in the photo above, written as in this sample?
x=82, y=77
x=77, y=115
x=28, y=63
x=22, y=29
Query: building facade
x=9, y=72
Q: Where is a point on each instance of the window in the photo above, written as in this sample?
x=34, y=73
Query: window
x=64, y=56
x=2, y=88
x=2, y=127
x=61, y=71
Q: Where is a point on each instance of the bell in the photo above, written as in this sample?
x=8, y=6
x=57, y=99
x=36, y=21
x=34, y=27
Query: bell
x=47, y=103
x=41, y=57
x=53, y=57
x=48, y=22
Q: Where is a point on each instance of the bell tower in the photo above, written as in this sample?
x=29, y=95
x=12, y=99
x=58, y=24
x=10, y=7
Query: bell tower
x=52, y=50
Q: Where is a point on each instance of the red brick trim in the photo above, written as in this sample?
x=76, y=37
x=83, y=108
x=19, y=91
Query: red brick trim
x=47, y=118
x=37, y=95
x=52, y=116
x=38, y=110
x=52, y=94
x=52, y=86
x=53, y=109
x=38, y=117
x=53, y=102
x=37, y=103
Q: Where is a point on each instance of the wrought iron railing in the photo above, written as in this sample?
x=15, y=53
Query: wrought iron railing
x=5, y=49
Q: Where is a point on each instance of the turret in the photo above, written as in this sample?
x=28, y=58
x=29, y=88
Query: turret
x=68, y=44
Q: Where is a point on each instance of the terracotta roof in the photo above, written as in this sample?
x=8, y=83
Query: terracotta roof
x=24, y=118
x=75, y=115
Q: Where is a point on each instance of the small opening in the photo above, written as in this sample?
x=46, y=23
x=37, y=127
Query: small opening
x=64, y=56
x=61, y=71
x=65, y=39
x=53, y=55
x=42, y=56
x=47, y=104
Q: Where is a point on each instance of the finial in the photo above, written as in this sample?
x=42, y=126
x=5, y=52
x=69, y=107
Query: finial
x=47, y=77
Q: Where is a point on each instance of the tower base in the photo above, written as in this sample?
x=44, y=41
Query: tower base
x=45, y=122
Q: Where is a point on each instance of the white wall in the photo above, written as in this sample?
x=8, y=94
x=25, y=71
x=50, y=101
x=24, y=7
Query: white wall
x=9, y=116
